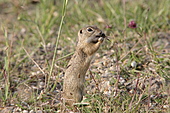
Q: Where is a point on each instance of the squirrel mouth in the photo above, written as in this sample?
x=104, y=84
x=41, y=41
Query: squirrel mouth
x=101, y=35
x=95, y=39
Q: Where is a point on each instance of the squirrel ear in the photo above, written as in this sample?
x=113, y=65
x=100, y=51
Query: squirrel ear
x=81, y=31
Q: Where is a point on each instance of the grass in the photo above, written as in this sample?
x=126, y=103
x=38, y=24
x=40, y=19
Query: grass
x=37, y=40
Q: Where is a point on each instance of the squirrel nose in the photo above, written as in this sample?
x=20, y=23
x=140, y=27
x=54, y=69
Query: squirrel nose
x=102, y=34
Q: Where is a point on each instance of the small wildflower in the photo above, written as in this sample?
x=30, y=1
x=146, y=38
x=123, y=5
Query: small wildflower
x=132, y=24
x=108, y=27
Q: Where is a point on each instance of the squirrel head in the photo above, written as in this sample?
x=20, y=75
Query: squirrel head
x=90, y=34
x=90, y=38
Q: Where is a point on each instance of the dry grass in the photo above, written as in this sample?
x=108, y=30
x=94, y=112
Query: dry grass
x=129, y=74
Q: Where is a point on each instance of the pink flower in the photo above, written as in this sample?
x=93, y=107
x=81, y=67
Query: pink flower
x=108, y=26
x=132, y=24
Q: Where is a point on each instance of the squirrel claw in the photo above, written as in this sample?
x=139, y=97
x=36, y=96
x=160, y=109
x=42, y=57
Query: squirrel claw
x=100, y=39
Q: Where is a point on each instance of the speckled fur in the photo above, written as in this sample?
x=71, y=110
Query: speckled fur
x=90, y=39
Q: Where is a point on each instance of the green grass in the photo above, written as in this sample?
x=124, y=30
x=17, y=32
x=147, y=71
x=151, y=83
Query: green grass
x=37, y=40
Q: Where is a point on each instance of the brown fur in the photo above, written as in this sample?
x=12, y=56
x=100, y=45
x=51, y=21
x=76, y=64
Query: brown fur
x=90, y=39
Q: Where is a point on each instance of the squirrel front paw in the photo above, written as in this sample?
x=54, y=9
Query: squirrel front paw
x=101, y=39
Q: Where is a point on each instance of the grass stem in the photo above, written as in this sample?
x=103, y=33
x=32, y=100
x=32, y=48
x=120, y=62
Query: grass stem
x=56, y=45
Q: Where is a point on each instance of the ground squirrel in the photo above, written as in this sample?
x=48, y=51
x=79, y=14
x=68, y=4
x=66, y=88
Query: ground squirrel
x=89, y=41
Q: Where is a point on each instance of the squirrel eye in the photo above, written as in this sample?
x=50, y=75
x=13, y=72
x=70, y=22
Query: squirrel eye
x=81, y=31
x=89, y=29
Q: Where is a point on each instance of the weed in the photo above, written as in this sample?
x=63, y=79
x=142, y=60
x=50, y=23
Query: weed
x=130, y=73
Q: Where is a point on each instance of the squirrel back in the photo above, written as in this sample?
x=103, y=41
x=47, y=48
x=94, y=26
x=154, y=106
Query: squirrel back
x=89, y=40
